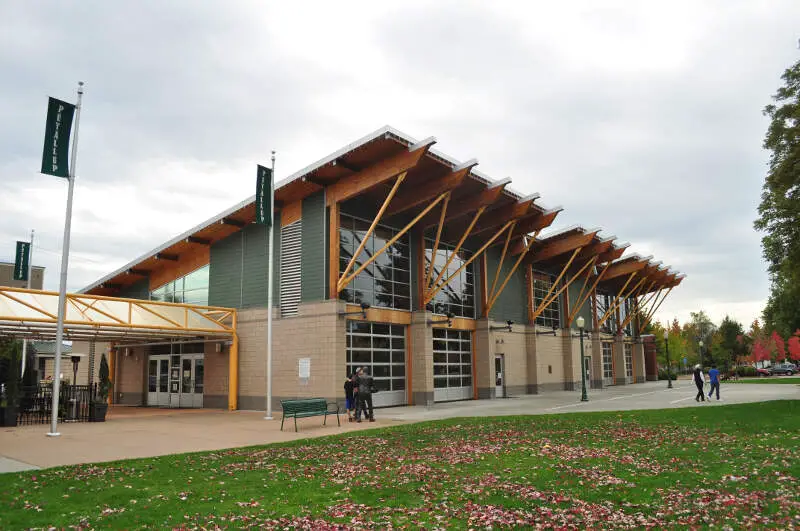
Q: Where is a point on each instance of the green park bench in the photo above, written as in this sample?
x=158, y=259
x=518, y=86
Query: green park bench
x=308, y=407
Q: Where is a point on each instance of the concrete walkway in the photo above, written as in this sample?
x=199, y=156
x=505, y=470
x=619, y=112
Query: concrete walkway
x=144, y=432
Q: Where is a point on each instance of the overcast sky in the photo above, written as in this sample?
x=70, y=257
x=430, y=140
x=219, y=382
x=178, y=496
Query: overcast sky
x=642, y=118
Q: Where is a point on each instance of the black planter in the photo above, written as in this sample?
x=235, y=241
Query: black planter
x=8, y=416
x=97, y=412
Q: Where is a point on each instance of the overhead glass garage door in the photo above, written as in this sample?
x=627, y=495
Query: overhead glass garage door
x=381, y=348
x=452, y=365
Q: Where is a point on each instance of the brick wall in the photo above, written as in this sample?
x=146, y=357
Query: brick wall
x=129, y=387
x=317, y=332
x=215, y=384
x=550, y=365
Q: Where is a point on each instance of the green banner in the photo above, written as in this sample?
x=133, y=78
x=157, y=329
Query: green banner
x=22, y=260
x=56, y=138
x=264, y=196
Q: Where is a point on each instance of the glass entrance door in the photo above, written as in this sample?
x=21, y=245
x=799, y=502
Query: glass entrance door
x=158, y=381
x=175, y=380
x=499, y=373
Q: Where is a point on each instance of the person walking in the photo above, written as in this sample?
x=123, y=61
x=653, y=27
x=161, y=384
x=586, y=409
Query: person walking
x=365, y=387
x=699, y=381
x=713, y=375
x=348, y=397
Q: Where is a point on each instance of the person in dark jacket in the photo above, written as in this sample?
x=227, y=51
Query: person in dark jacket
x=365, y=385
x=699, y=381
x=349, y=404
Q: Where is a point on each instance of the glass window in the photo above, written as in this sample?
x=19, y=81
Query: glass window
x=458, y=295
x=385, y=281
x=628, y=360
x=189, y=289
x=608, y=359
x=603, y=302
x=543, y=287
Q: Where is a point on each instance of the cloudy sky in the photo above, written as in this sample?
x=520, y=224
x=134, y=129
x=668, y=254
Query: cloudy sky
x=642, y=118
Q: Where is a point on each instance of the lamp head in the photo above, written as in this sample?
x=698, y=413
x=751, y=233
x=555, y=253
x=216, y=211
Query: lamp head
x=700, y=343
x=666, y=335
x=580, y=321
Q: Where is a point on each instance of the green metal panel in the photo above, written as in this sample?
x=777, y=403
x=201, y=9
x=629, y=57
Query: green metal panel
x=512, y=302
x=238, y=268
x=138, y=290
x=225, y=272
x=586, y=310
x=313, y=248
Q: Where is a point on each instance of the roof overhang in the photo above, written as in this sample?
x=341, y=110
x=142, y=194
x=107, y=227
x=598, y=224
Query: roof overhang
x=32, y=314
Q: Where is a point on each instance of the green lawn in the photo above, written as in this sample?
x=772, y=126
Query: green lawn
x=768, y=380
x=736, y=466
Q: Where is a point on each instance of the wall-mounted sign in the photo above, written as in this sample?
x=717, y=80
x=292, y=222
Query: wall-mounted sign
x=304, y=368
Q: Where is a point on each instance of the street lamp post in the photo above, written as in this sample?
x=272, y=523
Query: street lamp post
x=700, y=344
x=580, y=321
x=669, y=366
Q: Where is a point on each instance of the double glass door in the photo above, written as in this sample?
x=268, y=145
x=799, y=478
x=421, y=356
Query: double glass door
x=175, y=380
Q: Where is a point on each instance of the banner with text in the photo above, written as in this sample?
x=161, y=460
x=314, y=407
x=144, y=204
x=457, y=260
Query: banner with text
x=264, y=196
x=56, y=138
x=22, y=260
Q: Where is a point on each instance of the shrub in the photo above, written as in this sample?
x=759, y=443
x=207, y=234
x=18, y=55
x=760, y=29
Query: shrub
x=662, y=374
x=746, y=371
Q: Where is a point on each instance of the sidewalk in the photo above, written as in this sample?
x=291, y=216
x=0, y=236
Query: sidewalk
x=145, y=432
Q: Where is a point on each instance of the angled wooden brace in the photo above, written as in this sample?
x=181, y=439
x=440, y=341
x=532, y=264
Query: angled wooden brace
x=435, y=249
x=581, y=301
x=622, y=297
x=503, y=257
x=632, y=314
x=511, y=273
x=453, y=254
x=431, y=294
x=613, y=306
x=388, y=244
x=547, y=302
x=653, y=311
x=374, y=224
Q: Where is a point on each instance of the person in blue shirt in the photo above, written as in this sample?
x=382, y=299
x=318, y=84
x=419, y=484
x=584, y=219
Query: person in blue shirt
x=713, y=375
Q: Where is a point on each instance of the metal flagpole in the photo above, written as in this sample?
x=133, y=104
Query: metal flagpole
x=270, y=238
x=62, y=289
x=25, y=341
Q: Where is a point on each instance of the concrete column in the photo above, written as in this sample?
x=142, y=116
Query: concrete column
x=532, y=366
x=421, y=359
x=597, y=361
x=484, y=359
x=571, y=354
x=619, y=362
x=638, y=362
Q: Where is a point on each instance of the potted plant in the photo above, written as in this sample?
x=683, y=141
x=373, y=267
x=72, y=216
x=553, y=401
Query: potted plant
x=9, y=401
x=99, y=405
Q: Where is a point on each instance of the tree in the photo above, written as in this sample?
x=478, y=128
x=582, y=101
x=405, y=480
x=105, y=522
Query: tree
x=779, y=210
x=726, y=344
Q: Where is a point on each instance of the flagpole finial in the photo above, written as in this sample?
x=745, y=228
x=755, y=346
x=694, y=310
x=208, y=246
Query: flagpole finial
x=80, y=87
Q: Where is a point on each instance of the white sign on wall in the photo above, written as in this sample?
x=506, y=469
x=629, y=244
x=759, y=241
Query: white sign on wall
x=304, y=368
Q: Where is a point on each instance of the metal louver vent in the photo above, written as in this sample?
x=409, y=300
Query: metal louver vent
x=290, y=268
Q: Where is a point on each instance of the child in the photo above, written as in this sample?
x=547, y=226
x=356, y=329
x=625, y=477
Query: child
x=349, y=402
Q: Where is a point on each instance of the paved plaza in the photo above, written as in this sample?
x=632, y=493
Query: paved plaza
x=145, y=432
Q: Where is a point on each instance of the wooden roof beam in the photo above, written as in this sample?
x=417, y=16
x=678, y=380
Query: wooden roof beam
x=198, y=241
x=165, y=256
x=557, y=247
x=379, y=173
x=417, y=195
x=616, y=251
x=469, y=205
x=346, y=165
x=500, y=216
x=625, y=267
x=138, y=272
x=232, y=222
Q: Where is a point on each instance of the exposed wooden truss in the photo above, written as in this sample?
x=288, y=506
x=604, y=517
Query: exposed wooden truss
x=420, y=194
x=467, y=206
